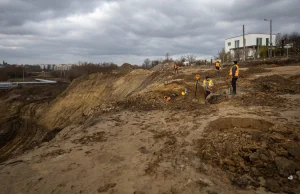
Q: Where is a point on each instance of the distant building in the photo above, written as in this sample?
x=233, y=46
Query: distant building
x=253, y=42
x=63, y=67
x=4, y=64
x=186, y=63
x=54, y=67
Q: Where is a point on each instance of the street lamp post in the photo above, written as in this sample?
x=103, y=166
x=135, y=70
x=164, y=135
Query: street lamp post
x=271, y=45
x=23, y=72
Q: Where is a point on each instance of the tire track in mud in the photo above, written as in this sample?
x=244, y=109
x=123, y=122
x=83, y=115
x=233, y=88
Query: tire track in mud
x=20, y=110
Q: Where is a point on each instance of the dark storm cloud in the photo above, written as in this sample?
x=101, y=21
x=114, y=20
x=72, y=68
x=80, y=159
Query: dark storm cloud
x=17, y=12
x=56, y=31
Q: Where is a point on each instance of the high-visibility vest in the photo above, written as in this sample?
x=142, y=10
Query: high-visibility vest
x=208, y=83
x=175, y=67
x=236, y=71
x=217, y=64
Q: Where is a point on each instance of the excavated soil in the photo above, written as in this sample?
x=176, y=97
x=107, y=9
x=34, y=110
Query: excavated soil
x=249, y=149
x=253, y=70
x=19, y=110
x=277, y=84
x=116, y=133
x=261, y=99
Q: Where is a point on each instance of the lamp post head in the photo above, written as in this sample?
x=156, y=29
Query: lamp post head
x=266, y=19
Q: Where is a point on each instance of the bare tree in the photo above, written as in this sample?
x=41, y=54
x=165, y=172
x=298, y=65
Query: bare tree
x=154, y=63
x=291, y=38
x=228, y=57
x=278, y=40
x=167, y=57
x=147, y=63
x=182, y=58
x=238, y=53
x=191, y=58
x=222, y=55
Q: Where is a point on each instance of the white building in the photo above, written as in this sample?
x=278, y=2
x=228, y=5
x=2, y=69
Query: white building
x=253, y=42
x=63, y=67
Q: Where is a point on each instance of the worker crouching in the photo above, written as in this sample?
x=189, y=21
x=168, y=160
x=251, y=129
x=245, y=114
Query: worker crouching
x=208, y=87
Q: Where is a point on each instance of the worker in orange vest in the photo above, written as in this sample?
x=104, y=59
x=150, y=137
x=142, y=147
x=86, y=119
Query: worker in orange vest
x=175, y=68
x=234, y=75
x=218, y=65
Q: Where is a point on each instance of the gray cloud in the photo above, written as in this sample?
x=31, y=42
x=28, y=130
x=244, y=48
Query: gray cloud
x=42, y=31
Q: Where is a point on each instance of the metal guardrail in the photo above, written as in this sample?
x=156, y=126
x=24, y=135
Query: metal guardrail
x=7, y=85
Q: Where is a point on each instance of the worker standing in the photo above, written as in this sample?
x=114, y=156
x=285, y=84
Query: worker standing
x=175, y=68
x=208, y=85
x=218, y=65
x=234, y=75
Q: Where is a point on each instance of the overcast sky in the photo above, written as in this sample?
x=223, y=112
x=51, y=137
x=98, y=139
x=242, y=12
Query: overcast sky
x=68, y=31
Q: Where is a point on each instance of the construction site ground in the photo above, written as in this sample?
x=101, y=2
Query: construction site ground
x=115, y=133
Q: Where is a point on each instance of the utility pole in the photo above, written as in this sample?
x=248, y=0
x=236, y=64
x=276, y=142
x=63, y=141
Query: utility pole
x=244, y=43
x=271, y=45
x=23, y=72
x=271, y=38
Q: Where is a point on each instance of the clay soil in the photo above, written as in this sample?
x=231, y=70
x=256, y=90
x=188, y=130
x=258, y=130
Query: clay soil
x=115, y=133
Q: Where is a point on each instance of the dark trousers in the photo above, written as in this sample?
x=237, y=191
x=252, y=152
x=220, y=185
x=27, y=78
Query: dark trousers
x=217, y=68
x=176, y=70
x=207, y=93
x=234, y=85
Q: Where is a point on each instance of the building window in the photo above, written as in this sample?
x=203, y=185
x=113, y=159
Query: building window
x=258, y=41
x=267, y=41
x=229, y=44
x=236, y=44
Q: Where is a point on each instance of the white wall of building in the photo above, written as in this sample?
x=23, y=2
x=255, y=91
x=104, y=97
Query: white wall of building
x=250, y=40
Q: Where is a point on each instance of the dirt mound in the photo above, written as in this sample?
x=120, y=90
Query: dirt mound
x=253, y=70
x=224, y=72
x=163, y=67
x=276, y=84
x=261, y=99
x=295, y=78
x=249, y=149
x=92, y=91
x=125, y=68
x=139, y=89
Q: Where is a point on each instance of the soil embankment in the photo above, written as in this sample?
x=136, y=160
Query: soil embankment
x=20, y=110
x=115, y=133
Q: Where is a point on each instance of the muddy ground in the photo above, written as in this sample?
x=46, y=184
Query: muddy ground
x=117, y=134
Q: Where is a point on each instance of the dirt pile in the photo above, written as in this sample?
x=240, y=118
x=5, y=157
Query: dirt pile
x=254, y=153
x=224, y=72
x=276, y=84
x=139, y=89
x=295, y=78
x=253, y=70
x=92, y=91
x=125, y=68
x=164, y=67
x=261, y=99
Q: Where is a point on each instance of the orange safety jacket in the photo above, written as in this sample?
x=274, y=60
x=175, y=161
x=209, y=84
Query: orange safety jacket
x=217, y=64
x=234, y=71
